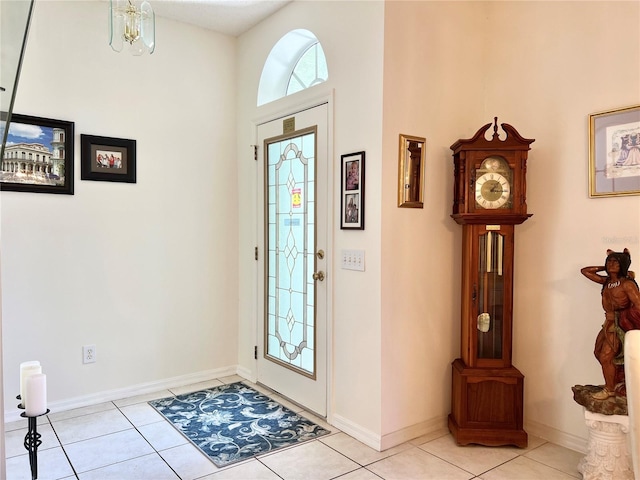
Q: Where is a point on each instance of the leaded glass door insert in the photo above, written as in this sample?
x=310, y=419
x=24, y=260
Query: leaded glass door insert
x=290, y=244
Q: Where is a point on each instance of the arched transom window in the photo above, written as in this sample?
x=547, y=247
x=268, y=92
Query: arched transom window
x=295, y=63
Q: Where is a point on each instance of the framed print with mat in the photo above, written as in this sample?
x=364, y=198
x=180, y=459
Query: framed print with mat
x=614, y=152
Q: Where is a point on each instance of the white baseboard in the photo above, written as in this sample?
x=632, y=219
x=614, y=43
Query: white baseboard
x=247, y=374
x=384, y=442
x=131, y=391
x=556, y=436
x=403, y=435
x=437, y=424
x=354, y=430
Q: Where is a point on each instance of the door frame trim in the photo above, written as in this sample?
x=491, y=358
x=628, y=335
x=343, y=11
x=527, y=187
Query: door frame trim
x=269, y=112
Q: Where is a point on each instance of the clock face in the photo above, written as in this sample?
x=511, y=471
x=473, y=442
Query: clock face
x=492, y=190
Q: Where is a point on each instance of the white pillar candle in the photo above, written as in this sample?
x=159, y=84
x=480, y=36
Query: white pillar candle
x=26, y=369
x=36, y=403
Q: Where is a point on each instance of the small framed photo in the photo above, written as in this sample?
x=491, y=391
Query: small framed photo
x=38, y=155
x=411, y=171
x=108, y=159
x=352, y=191
x=614, y=152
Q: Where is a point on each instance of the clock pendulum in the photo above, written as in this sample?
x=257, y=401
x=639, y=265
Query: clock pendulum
x=489, y=199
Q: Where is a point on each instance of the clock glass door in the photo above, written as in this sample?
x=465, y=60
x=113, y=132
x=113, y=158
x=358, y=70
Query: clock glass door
x=490, y=295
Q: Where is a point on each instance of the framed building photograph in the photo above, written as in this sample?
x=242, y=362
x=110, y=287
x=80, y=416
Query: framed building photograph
x=107, y=159
x=38, y=155
x=614, y=152
x=352, y=191
x=411, y=171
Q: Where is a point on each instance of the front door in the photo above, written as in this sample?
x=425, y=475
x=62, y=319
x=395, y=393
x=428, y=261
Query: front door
x=292, y=312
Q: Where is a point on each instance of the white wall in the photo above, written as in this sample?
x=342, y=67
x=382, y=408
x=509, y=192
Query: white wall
x=146, y=271
x=543, y=67
x=351, y=35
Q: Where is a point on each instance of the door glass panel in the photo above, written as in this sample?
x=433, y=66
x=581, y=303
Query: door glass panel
x=290, y=289
x=491, y=295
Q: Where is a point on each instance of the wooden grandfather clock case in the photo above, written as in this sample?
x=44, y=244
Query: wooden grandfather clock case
x=489, y=201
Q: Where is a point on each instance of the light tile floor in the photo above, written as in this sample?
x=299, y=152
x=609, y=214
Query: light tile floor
x=128, y=440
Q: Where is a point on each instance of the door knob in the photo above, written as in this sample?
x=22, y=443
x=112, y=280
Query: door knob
x=318, y=275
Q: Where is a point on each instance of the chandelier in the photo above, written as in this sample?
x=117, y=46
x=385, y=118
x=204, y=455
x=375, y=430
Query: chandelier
x=133, y=27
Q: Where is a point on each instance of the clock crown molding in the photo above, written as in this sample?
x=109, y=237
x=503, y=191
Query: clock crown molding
x=512, y=141
x=500, y=198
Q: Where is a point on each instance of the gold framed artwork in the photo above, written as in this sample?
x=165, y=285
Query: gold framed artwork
x=614, y=152
x=411, y=171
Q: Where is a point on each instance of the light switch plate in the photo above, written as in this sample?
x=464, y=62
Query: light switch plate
x=353, y=260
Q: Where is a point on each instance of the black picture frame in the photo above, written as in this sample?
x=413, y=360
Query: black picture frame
x=107, y=159
x=352, y=191
x=38, y=155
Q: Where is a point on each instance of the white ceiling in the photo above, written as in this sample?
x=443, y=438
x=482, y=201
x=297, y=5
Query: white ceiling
x=232, y=17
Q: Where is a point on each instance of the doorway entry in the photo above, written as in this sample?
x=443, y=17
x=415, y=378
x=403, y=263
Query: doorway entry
x=293, y=168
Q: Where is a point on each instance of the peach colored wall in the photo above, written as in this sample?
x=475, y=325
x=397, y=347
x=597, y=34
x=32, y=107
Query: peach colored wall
x=433, y=84
x=450, y=67
x=563, y=61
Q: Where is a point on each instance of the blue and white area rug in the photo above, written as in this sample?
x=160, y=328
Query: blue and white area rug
x=231, y=423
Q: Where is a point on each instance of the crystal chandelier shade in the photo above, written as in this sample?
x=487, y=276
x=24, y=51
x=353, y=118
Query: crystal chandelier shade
x=132, y=27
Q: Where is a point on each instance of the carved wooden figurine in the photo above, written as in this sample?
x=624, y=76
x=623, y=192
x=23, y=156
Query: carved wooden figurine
x=621, y=304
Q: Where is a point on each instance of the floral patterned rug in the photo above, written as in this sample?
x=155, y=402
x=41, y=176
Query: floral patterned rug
x=234, y=422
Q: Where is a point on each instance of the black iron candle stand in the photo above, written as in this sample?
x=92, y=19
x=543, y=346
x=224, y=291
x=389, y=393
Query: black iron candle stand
x=32, y=440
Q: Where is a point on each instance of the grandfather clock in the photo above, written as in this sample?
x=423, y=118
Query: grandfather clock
x=489, y=199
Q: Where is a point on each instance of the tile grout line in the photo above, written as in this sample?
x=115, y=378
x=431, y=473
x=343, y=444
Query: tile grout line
x=146, y=440
x=73, y=469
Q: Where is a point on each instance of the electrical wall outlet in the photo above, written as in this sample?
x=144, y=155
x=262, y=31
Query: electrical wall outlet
x=89, y=354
